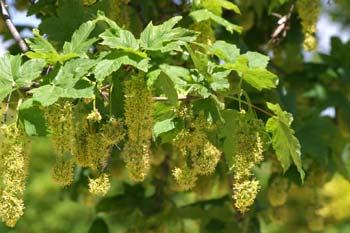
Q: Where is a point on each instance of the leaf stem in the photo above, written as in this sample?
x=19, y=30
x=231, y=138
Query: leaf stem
x=252, y=105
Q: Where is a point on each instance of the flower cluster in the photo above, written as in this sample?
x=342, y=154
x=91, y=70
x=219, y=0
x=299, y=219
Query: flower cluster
x=138, y=108
x=63, y=172
x=198, y=155
x=93, y=138
x=100, y=185
x=309, y=11
x=278, y=191
x=60, y=120
x=13, y=173
x=248, y=152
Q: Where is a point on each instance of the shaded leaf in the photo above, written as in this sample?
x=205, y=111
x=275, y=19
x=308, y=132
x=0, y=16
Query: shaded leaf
x=167, y=85
x=163, y=127
x=99, y=226
x=32, y=118
x=284, y=142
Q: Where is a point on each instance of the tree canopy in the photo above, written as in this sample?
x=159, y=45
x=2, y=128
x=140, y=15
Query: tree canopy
x=174, y=116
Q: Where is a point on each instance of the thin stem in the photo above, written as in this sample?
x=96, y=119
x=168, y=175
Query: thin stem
x=240, y=93
x=180, y=98
x=246, y=96
x=4, y=115
x=15, y=34
x=252, y=105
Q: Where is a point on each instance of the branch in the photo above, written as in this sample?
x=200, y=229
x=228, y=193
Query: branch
x=4, y=115
x=180, y=98
x=15, y=34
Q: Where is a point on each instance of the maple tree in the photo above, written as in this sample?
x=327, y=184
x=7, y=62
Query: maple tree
x=168, y=116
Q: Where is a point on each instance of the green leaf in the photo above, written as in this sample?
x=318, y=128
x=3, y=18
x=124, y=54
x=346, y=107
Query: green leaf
x=200, y=60
x=204, y=14
x=105, y=68
x=46, y=95
x=119, y=39
x=177, y=74
x=256, y=60
x=99, y=226
x=167, y=85
x=72, y=71
x=29, y=71
x=225, y=51
x=152, y=77
x=80, y=43
x=6, y=76
x=117, y=96
x=102, y=17
x=258, y=78
x=231, y=119
x=217, y=5
x=5, y=89
x=219, y=81
x=157, y=37
x=32, y=118
x=163, y=127
x=15, y=75
x=39, y=45
x=51, y=58
x=284, y=142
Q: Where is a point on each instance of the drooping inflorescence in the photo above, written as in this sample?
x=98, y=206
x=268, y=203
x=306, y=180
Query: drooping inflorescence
x=139, y=122
x=248, y=150
x=309, y=11
x=278, y=191
x=13, y=172
x=198, y=156
x=60, y=120
x=100, y=185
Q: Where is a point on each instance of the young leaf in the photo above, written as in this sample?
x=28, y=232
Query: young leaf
x=42, y=49
x=223, y=50
x=204, y=14
x=156, y=37
x=256, y=60
x=80, y=43
x=39, y=45
x=217, y=5
x=284, y=142
x=258, y=78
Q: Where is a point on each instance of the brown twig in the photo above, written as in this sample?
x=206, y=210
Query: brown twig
x=15, y=34
x=180, y=98
x=4, y=115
